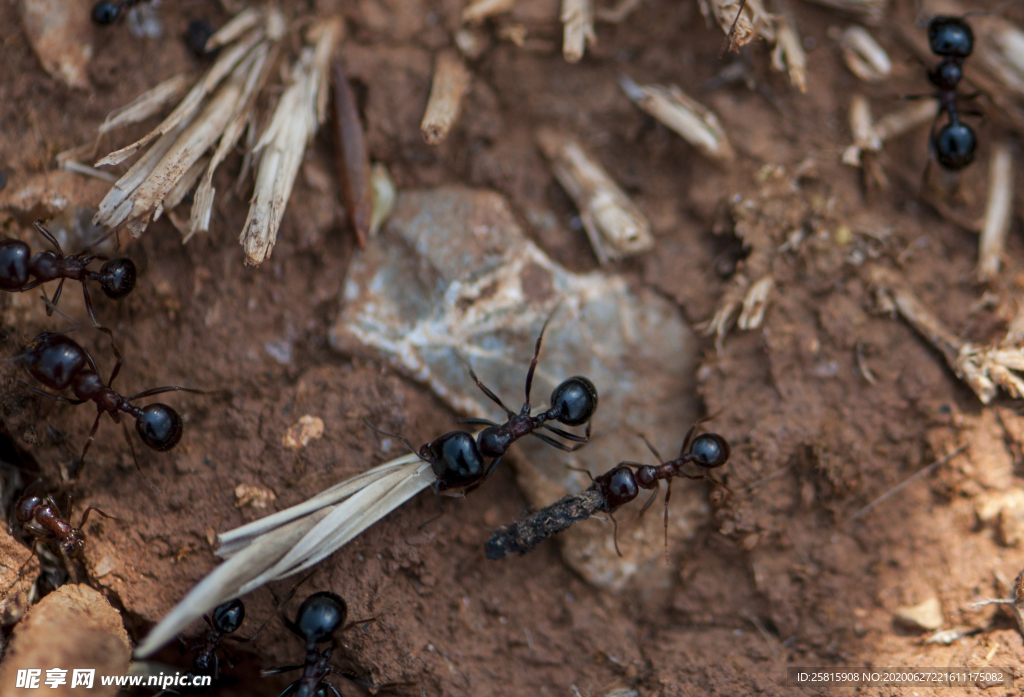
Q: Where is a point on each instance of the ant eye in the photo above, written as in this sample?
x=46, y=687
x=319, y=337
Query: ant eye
x=229, y=616
x=159, y=426
x=575, y=400
x=118, y=278
x=320, y=616
x=14, y=259
x=710, y=450
x=105, y=12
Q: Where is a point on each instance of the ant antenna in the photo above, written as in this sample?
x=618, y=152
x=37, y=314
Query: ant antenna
x=405, y=440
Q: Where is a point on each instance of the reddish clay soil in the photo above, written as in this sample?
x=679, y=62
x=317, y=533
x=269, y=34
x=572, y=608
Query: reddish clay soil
x=780, y=576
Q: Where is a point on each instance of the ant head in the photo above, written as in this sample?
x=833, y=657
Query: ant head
x=950, y=37
x=709, y=450
x=74, y=543
x=54, y=359
x=494, y=441
x=618, y=486
x=159, y=426
x=14, y=258
x=455, y=459
x=575, y=401
x=955, y=144
x=227, y=617
x=320, y=616
x=105, y=12
x=118, y=278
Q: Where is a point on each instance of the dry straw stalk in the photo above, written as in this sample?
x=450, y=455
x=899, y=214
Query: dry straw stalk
x=451, y=80
x=997, y=212
x=863, y=56
x=578, y=28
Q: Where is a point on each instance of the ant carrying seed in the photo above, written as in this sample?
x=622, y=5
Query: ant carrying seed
x=40, y=518
x=950, y=38
x=59, y=362
x=104, y=13
x=20, y=272
x=614, y=488
x=318, y=619
x=573, y=403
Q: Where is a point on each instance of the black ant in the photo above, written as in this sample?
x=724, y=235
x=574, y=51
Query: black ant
x=319, y=618
x=59, y=362
x=573, y=403
x=616, y=487
x=951, y=38
x=20, y=272
x=104, y=13
x=227, y=618
x=454, y=458
x=41, y=518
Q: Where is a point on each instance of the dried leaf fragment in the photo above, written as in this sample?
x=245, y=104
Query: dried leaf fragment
x=741, y=21
x=308, y=428
x=788, y=54
x=686, y=116
x=578, y=28
x=863, y=56
x=451, y=80
x=478, y=11
x=998, y=212
x=615, y=226
x=147, y=104
x=755, y=303
x=351, y=156
x=249, y=496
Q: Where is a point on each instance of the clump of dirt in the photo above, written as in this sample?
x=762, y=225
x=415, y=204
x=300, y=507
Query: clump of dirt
x=828, y=404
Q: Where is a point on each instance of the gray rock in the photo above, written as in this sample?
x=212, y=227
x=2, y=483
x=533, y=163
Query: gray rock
x=452, y=282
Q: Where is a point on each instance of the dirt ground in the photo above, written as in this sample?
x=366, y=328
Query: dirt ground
x=782, y=574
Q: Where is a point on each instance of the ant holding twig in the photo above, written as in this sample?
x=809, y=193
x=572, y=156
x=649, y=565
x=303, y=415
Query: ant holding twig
x=616, y=487
x=58, y=362
x=20, y=272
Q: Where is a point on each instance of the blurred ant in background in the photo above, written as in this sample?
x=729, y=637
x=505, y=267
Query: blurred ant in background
x=952, y=39
x=104, y=13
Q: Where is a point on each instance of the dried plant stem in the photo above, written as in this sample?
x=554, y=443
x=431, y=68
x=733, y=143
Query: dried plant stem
x=299, y=112
x=871, y=9
x=997, y=212
x=352, y=157
x=147, y=104
x=451, y=80
x=687, y=117
x=478, y=11
x=889, y=126
x=614, y=224
x=578, y=28
x=788, y=54
x=863, y=56
x=741, y=20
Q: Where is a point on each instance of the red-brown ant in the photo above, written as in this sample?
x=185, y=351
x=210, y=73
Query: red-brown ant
x=573, y=403
x=319, y=618
x=59, y=362
x=40, y=518
x=614, y=488
x=20, y=271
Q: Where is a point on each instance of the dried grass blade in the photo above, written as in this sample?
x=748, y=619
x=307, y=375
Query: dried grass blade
x=146, y=104
x=451, y=80
x=578, y=31
x=478, y=11
x=998, y=212
x=351, y=156
x=235, y=27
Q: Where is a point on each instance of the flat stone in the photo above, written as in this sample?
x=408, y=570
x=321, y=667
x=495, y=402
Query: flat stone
x=926, y=616
x=451, y=282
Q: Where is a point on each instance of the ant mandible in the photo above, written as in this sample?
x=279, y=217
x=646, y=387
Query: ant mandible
x=573, y=403
x=107, y=12
x=59, y=362
x=320, y=616
x=951, y=38
x=40, y=517
x=20, y=272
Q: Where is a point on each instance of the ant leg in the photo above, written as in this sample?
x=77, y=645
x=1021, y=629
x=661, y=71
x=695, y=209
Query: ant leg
x=52, y=303
x=536, y=355
x=668, y=495
x=481, y=422
x=331, y=688
x=560, y=446
x=392, y=435
x=278, y=671
x=85, y=515
x=97, y=243
x=95, y=323
x=686, y=441
x=615, y=533
x=54, y=397
x=490, y=395
x=135, y=459
x=49, y=237
x=650, y=500
x=161, y=390
x=88, y=443
x=650, y=446
x=569, y=436
x=580, y=469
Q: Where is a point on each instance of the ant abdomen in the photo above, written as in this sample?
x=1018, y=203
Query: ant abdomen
x=54, y=360
x=159, y=426
x=950, y=36
x=118, y=278
x=320, y=616
x=710, y=450
x=618, y=485
x=955, y=145
x=455, y=460
x=575, y=401
x=14, y=261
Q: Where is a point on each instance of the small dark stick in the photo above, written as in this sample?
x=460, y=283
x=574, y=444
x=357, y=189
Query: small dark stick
x=351, y=155
x=523, y=535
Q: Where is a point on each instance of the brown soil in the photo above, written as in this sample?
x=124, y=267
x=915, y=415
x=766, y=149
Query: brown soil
x=780, y=577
